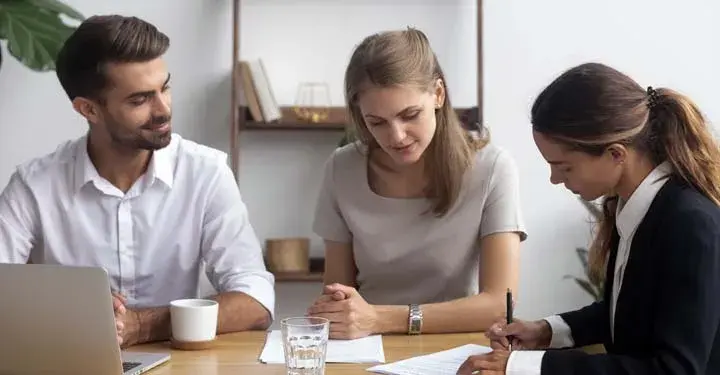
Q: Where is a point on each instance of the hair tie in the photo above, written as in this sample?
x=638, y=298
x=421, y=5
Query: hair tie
x=652, y=97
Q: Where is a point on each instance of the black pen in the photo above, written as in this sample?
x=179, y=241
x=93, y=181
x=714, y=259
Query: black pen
x=509, y=313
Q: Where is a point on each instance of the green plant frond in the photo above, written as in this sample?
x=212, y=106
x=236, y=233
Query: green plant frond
x=57, y=7
x=35, y=31
x=583, y=256
x=595, y=289
x=588, y=287
x=34, y=36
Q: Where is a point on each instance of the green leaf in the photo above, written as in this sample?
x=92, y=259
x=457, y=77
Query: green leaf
x=56, y=6
x=3, y=26
x=583, y=255
x=34, y=36
x=587, y=287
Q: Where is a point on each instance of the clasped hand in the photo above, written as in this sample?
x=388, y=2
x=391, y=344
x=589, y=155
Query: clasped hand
x=350, y=316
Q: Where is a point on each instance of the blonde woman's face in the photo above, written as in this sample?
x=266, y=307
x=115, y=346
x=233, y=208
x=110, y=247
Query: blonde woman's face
x=401, y=119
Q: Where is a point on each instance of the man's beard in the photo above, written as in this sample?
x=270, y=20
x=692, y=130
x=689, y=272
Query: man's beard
x=136, y=140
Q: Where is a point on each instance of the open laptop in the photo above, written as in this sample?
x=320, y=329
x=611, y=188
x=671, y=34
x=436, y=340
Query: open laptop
x=59, y=320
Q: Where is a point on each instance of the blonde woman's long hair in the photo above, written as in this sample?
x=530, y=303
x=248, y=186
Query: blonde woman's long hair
x=405, y=58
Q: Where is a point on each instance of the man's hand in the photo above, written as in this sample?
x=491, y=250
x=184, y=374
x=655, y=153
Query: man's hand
x=119, y=301
x=126, y=321
x=350, y=316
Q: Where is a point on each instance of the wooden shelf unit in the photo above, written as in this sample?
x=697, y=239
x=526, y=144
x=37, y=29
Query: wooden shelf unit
x=313, y=277
x=239, y=121
x=336, y=121
x=315, y=274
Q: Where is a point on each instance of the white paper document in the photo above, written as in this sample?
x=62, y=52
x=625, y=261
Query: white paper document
x=364, y=350
x=446, y=362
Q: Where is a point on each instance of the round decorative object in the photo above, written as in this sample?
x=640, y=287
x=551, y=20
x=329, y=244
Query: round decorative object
x=312, y=102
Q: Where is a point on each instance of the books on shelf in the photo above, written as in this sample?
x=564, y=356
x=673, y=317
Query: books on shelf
x=257, y=93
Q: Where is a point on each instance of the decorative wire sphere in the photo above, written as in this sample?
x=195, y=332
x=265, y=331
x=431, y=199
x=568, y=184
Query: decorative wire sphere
x=312, y=102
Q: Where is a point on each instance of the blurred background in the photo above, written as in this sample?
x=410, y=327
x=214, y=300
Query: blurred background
x=526, y=43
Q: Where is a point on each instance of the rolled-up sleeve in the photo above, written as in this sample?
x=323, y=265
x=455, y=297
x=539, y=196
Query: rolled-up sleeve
x=230, y=248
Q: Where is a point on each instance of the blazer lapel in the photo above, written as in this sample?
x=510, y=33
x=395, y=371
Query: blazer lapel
x=639, y=263
x=609, y=281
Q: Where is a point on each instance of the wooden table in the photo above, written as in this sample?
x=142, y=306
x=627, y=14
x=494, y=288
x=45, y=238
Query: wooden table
x=238, y=353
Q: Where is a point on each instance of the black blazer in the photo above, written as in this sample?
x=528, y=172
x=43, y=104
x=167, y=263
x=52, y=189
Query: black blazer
x=667, y=318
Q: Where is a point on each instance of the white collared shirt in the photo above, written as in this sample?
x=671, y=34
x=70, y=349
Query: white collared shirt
x=184, y=213
x=629, y=216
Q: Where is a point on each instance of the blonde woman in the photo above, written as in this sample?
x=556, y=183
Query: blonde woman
x=421, y=220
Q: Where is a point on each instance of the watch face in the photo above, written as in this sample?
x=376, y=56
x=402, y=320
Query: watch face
x=415, y=323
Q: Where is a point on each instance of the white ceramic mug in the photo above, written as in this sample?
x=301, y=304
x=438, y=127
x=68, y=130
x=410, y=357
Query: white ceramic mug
x=193, y=320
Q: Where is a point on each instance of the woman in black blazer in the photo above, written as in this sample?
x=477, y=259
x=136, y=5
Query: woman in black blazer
x=651, y=154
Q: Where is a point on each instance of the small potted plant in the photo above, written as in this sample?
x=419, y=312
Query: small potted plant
x=593, y=288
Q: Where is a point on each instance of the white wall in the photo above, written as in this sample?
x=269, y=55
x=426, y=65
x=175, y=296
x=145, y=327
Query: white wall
x=659, y=43
x=278, y=32
x=526, y=44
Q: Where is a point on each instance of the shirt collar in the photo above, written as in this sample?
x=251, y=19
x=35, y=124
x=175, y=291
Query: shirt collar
x=84, y=169
x=160, y=167
x=629, y=214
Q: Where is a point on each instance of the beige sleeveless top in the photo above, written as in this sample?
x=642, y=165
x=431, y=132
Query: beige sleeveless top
x=402, y=255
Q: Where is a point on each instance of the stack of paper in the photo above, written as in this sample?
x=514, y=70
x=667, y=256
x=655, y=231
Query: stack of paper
x=441, y=363
x=364, y=350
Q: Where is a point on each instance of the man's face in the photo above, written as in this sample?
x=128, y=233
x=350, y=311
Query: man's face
x=136, y=112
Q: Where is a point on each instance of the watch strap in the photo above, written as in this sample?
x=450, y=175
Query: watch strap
x=415, y=319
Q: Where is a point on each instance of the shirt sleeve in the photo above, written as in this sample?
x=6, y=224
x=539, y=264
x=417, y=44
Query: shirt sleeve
x=329, y=222
x=18, y=220
x=525, y=362
x=561, y=333
x=502, y=212
x=529, y=362
x=230, y=248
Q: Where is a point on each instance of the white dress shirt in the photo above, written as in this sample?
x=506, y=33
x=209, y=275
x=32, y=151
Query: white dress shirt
x=629, y=215
x=185, y=212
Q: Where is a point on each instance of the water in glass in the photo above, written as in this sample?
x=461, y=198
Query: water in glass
x=305, y=344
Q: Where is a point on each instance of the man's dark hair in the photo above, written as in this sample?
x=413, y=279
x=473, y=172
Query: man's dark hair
x=99, y=40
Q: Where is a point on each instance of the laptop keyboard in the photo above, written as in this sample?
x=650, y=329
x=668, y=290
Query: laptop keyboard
x=130, y=365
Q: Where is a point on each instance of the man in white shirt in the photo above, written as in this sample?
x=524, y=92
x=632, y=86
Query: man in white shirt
x=149, y=207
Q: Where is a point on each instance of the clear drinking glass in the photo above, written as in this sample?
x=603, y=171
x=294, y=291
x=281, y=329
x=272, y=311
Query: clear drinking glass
x=305, y=344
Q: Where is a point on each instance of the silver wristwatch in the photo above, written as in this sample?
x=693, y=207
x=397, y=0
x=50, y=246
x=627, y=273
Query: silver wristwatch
x=415, y=319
